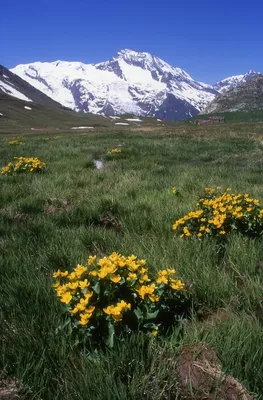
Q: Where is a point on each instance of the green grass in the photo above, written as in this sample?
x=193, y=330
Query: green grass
x=135, y=189
x=235, y=116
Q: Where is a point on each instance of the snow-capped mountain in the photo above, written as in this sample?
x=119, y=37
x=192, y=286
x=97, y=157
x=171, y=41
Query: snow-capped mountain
x=13, y=85
x=130, y=82
x=233, y=81
x=8, y=87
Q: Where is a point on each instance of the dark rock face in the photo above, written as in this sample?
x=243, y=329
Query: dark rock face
x=175, y=109
x=112, y=66
x=38, y=78
x=246, y=97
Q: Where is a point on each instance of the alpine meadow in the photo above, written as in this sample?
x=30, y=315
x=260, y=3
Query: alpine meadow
x=131, y=262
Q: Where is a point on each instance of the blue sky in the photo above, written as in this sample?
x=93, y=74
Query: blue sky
x=209, y=39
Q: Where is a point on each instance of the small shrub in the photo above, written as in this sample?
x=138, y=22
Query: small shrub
x=220, y=213
x=15, y=142
x=23, y=165
x=175, y=191
x=115, y=295
x=114, y=151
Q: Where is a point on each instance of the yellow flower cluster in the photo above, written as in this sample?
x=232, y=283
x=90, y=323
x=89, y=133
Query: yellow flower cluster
x=94, y=288
x=15, y=142
x=220, y=213
x=114, y=151
x=174, y=190
x=23, y=164
x=165, y=276
x=116, y=311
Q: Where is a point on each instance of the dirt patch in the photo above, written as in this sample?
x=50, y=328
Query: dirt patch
x=219, y=316
x=109, y=221
x=201, y=377
x=9, y=390
x=54, y=206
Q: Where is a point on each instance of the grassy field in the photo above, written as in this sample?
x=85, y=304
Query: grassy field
x=132, y=192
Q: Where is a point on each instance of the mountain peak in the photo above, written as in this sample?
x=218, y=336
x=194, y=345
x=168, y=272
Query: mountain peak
x=130, y=82
x=128, y=53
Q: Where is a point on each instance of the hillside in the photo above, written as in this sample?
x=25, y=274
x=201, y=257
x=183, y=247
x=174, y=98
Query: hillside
x=18, y=114
x=17, y=87
x=247, y=97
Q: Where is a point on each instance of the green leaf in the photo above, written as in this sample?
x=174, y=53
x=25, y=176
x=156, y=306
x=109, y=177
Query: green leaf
x=138, y=314
x=110, y=338
x=151, y=315
x=96, y=288
x=150, y=325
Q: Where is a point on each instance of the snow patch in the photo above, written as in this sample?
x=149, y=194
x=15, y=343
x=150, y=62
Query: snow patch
x=159, y=120
x=98, y=164
x=121, y=123
x=27, y=108
x=82, y=127
x=114, y=117
x=5, y=76
x=1, y=115
x=8, y=89
x=133, y=119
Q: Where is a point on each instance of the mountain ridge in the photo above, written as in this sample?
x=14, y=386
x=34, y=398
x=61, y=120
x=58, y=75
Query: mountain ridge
x=132, y=82
x=248, y=96
x=13, y=85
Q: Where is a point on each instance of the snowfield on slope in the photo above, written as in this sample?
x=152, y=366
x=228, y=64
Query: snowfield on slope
x=136, y=83
x=9, y=89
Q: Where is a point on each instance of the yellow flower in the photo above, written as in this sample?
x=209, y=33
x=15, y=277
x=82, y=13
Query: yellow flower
x=116, y=311
x=163, y=272
x=162, y=279
x=66, y=297
x=93, y=273
x=171, y=271
x=174, y=190
x=131, y=276
x=56, y=284
x=199, y=235
x=91, y=260
x=146, y=290
x=61, y=289
x=57, y=274
x=186, y=231
x=176, y=284
x=84, y=284
x=63, y=274
x=72, y=276
x=85, y=317
x=75, y=310
x=154, y=333
x=154, y=297
x=72, y=285
x=88, y=295
x=115, y=278
x=144, y=278
x=79, y=270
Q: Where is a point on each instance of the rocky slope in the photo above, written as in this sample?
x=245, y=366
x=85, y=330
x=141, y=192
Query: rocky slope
x=13, y=85
x=248, y=96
